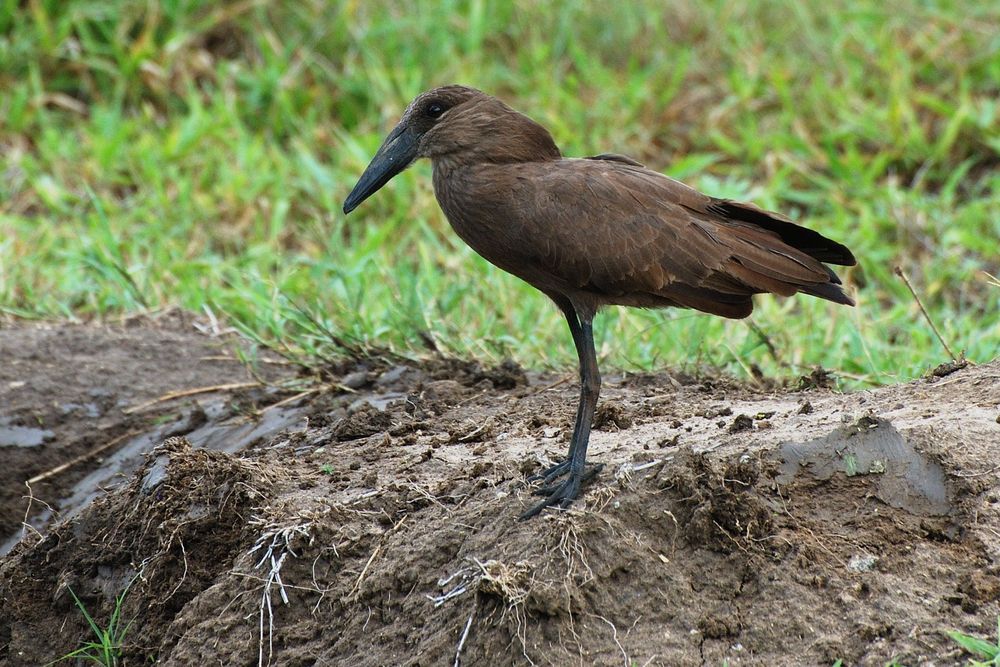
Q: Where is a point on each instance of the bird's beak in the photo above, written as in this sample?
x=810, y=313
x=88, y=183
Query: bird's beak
x=394, y=155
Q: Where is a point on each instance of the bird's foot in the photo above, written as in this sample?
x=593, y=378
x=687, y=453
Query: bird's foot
x=589, y=473
x=564, y=493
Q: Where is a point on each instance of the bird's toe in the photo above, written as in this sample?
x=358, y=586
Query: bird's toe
x=564, y=493
x=546, y=476
x=549, y=488
x=562, y=496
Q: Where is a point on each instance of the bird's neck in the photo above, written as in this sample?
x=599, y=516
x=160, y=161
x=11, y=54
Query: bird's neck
x=527, y=142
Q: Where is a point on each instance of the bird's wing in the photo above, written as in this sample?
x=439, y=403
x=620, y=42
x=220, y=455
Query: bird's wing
x=614, y=228
x=615, y=157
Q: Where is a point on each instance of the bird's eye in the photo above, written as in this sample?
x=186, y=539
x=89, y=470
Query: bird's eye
x=435, y=109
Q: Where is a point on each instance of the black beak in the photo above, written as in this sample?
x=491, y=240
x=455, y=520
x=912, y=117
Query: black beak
x=394, y=155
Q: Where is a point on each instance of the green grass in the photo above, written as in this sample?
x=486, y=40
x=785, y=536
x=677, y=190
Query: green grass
x=981, y=648
x=192, y=153
x=107, y=649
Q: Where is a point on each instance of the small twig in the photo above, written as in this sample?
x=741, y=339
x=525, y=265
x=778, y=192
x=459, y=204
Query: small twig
x=80, y=459
x=465, y=635
x=899, y=272
x=444, y=581
x=553, y=385
x=453, y=593
x=356, y=590
x=643, y=466
x=224, y=357
x=457, y=590
x=292, y=399
x=976, y=474
x=943, y=383
x=181, y=393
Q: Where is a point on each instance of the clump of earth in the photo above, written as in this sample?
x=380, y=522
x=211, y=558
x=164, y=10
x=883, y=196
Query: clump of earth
x=244, y=515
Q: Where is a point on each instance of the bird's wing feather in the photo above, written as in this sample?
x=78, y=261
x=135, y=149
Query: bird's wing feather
x=614, y=228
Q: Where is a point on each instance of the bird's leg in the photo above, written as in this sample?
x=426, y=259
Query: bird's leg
x=561, y=468
x=562, y=494
x=576, y=330
x=552, y=473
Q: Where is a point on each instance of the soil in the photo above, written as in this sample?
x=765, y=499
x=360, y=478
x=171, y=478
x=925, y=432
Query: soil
x=373, y=519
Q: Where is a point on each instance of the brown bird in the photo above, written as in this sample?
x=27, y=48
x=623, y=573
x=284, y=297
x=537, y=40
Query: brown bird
x=595, y=231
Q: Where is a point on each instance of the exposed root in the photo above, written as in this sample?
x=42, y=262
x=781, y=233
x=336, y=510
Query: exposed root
x=465, y=635
x=614, y=636
x=510, y=583
x=25, y=524
x=275, y=543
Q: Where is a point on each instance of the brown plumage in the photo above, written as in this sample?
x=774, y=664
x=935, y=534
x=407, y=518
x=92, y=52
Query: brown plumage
x=594, y=231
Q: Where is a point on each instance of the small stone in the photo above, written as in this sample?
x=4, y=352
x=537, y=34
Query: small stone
x=393, y=375
x=862, y=562
x=355, y=380
x=741, y=423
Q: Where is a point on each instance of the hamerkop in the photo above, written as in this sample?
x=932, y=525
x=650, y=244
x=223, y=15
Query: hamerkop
x=595, y=231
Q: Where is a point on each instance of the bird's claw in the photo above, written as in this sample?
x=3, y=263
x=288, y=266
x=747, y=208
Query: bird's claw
x=564, y=493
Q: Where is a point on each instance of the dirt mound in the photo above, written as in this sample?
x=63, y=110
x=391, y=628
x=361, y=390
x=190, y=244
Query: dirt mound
x=727, y=526
x=68, y=399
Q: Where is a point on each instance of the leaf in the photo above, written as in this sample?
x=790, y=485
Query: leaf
x=974, y=644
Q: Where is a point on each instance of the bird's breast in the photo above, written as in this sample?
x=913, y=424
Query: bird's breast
x=482, y=207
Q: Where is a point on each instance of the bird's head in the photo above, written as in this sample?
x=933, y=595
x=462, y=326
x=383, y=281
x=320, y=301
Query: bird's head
x=454, y=123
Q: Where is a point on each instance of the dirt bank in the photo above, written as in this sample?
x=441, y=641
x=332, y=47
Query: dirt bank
x=375, y=522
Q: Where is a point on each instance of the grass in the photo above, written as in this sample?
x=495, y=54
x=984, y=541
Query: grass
x=981, y=648
x=183, y=152
x=107, y=650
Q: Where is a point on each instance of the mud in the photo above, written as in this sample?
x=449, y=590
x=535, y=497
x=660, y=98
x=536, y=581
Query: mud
x=72, y=403
x=373, y=520
x=904, y=478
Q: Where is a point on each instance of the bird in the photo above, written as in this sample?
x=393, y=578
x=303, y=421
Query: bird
x=592, y=232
